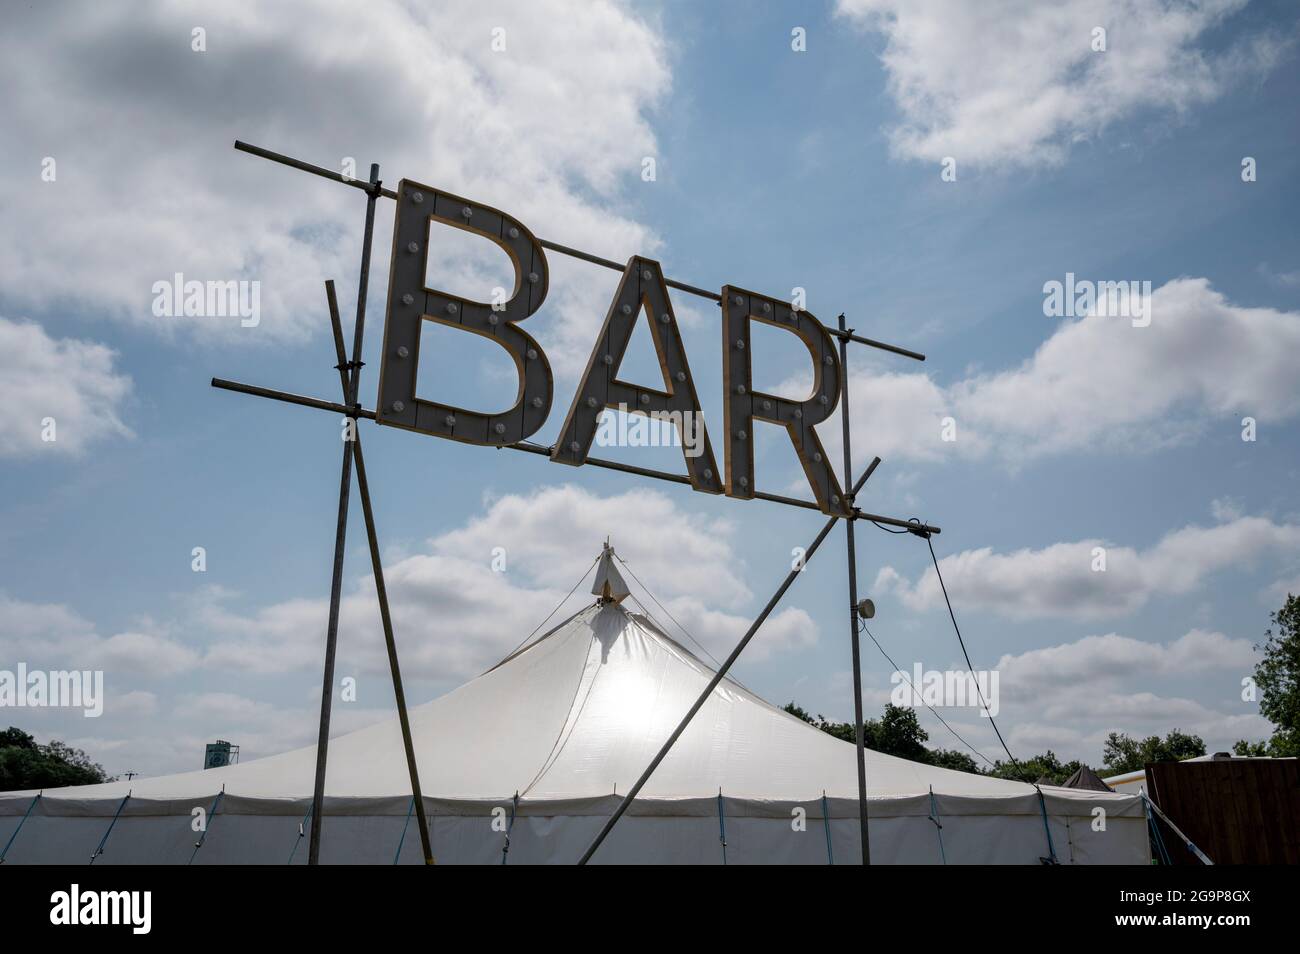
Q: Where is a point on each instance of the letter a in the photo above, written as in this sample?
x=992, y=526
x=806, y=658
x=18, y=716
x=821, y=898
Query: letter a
x=642, y=287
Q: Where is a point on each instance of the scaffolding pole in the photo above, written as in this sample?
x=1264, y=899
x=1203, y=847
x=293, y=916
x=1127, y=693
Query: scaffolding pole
x=719, y=676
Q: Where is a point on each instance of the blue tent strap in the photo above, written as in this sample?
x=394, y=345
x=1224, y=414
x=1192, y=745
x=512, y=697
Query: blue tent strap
x=826, y=823
x=1187, y=842
x=938, y=826
x=1146, y=813
x=99, y=849
x=212, y=813
x=722, y=826
x=514, y=807
x=1161, y=851
x=9, y=843
x=1158, y=839
x=1051, y=858
x=301, y=833
x=409, y=808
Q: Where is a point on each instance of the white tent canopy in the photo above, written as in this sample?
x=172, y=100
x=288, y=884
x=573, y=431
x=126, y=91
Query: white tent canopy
x=569, y=723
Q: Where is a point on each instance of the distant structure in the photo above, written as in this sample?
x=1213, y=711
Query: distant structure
x=219, y=754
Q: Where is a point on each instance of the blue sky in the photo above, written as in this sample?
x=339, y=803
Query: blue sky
x=774, y=169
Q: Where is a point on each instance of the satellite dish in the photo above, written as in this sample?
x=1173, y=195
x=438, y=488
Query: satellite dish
x=866, y=609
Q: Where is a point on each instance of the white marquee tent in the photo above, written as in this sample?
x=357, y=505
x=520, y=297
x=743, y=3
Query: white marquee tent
x=569, y=723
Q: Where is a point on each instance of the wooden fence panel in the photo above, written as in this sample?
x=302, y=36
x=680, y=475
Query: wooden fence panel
x=1238, y=811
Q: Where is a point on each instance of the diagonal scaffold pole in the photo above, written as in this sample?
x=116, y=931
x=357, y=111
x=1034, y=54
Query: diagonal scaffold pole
x=381, y=589
x=340, y=535
x=859, y=730
x=720, y=674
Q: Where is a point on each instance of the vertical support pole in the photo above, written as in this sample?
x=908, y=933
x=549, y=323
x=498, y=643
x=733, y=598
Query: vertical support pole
x=722, y=826
x=510, y=826
x=340, y=540
x=212, y=814
x=853, y=601
x=1051, y=858
x=99, y=849
x=363, y=282
x=298, y=841
x=331, y=645
x=826, y=823
x=381, y=589
x=10, y=843
x=938, y=825
x=405, y=825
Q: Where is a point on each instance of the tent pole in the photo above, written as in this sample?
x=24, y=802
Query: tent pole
x=331, y=645
x=212, y=815
x=719, y=676
x=826, y=823
x=99, y=849
x=377, y=566
x=10, y=843
x=340, y=536
x=298, y=841
x=858, y=729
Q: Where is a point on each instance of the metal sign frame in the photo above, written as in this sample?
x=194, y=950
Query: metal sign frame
x=643, y=287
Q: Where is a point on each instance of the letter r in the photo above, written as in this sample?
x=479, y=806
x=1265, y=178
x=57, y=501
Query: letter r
x=742, y=405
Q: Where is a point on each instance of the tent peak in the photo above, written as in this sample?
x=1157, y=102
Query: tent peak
x=609, y=586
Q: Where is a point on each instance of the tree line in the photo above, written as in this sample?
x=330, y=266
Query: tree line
x=1276, y=681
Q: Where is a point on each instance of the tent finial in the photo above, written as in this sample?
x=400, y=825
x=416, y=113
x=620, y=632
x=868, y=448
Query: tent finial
x=609, y=586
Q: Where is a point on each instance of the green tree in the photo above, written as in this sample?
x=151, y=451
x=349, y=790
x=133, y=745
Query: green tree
x=1123, y=753
x=1242, y=747
x=955, y=760
x=897, y=732
x=1278, y=677
x=1046, y=766
x=25, y=764
x=841, y=730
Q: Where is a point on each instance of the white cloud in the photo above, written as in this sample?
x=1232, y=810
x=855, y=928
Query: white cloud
x=74, y=382
x=1068, y=697
x=788, y=630
x=50, y=636
x=1225, y=509
x=141, y=653
x=1079, y=723
x=1059, y=580
x=227, y=707
x=135, y=703
x=454, y=616
x=148, y=185
x=1017, y=82
x=30, y=625
x=542, y=533
x=1277, y=592
x=1096, y=383
x=1040, y=673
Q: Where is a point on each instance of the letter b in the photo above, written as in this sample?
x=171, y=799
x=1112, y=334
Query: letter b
x=411, y=303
